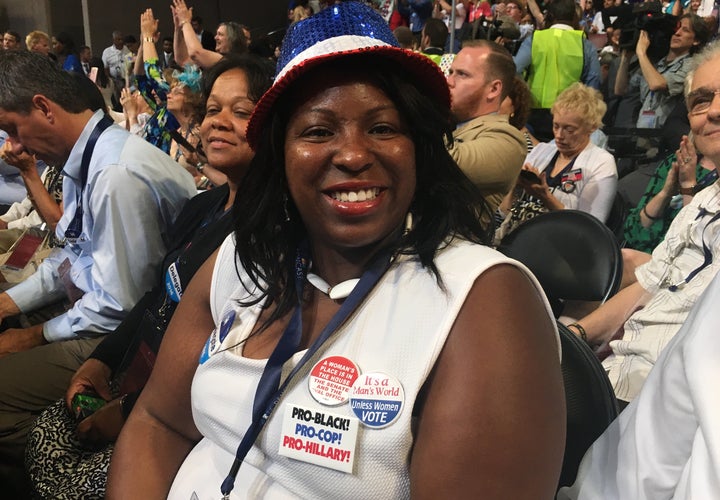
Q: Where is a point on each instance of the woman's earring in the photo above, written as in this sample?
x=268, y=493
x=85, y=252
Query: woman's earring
x=408, y=223
x=285, y=208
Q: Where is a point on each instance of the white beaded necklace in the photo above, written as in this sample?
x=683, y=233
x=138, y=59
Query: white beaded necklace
x=337, y=292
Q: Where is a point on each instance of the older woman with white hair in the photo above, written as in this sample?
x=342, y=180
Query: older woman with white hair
x=569, y=172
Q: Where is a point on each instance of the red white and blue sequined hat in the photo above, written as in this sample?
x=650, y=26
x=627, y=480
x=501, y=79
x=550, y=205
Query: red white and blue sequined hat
x=341, y=30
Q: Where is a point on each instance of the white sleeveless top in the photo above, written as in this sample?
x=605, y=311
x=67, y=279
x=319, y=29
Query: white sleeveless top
x=398, y=331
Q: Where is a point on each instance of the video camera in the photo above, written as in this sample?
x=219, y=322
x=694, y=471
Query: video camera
x=660, y=27
x=488, y=28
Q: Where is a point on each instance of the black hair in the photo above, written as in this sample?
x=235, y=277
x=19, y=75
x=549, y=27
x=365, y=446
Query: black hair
x=562, y=11
x=700, y=29
x=519, y=93
x=436, y=30
x=26, y=74
x=15, y=35
x=94, y=97
x=445, y=204
x=258, y=71
x=262, y=46
x=67, y=42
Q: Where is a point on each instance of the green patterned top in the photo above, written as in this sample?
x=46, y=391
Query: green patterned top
x=646, y=239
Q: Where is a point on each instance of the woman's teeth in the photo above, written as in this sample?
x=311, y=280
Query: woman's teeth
x=354, y=196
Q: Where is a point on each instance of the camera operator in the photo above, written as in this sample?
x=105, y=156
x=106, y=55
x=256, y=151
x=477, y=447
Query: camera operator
x=515, y=10
x=660, y=85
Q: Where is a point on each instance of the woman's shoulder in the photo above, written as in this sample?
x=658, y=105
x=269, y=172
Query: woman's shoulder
x=544, y=148
x=598, y=157
x=463, y=260
x=542, y=151
x=207, y=198
x=455, y=248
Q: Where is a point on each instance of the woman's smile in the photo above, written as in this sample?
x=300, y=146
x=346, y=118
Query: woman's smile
x=349, y=162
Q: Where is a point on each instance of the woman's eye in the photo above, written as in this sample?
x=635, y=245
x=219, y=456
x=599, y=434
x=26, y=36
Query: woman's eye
x=317, y=132
x=383, y=129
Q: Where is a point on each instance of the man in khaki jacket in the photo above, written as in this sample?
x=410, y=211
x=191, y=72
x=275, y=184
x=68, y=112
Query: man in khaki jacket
x=486, y=147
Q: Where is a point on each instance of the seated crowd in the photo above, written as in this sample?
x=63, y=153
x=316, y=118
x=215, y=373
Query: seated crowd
x=327, y=213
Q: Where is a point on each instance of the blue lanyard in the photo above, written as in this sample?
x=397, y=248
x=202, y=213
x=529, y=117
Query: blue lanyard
x=269, y=390
x=706, y=252
x=74, y=229
x=706, y=180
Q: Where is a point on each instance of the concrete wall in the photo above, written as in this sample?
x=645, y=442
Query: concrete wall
x=24, y=16
x=106, y=16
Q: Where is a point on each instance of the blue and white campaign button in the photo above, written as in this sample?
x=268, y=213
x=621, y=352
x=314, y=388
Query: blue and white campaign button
x=377, y=399
x=172, y=283
x=226, y=324
x=217, y=337
x=209, y=345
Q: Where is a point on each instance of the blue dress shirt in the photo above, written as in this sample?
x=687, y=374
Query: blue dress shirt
x=133, y=193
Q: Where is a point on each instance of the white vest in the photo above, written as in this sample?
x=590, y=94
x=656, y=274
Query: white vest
x=399, y=330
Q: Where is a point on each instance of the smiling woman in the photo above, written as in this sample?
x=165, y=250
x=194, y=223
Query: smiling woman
x=350, y=124
x=354, y=309
x=125, y=356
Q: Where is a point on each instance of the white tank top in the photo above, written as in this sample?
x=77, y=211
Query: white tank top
x=399, y=330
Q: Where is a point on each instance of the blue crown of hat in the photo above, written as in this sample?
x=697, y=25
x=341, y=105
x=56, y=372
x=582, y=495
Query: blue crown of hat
x=346, y=18
x=338, y=31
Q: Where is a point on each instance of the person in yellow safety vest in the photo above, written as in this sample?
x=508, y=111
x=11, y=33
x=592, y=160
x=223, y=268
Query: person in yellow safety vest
x=432, y=40
x=553, y=59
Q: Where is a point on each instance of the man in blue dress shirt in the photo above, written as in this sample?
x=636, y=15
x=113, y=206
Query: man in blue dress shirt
x=119, y=196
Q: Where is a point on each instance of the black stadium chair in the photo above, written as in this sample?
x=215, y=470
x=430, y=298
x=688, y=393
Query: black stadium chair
x=616, y=218
x=590, y=401
x=573, y=255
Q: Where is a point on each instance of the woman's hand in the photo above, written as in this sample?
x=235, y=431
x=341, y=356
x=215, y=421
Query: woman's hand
x=539, y=189
x=182, y=13
x=189, y=161
x=14, y=154
x=148, y=24
x=687, y=162
x=671, y=186
x=176, y=23
x=92, y=376
x=130, y=106
x=103, y=426
x=128, y=102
